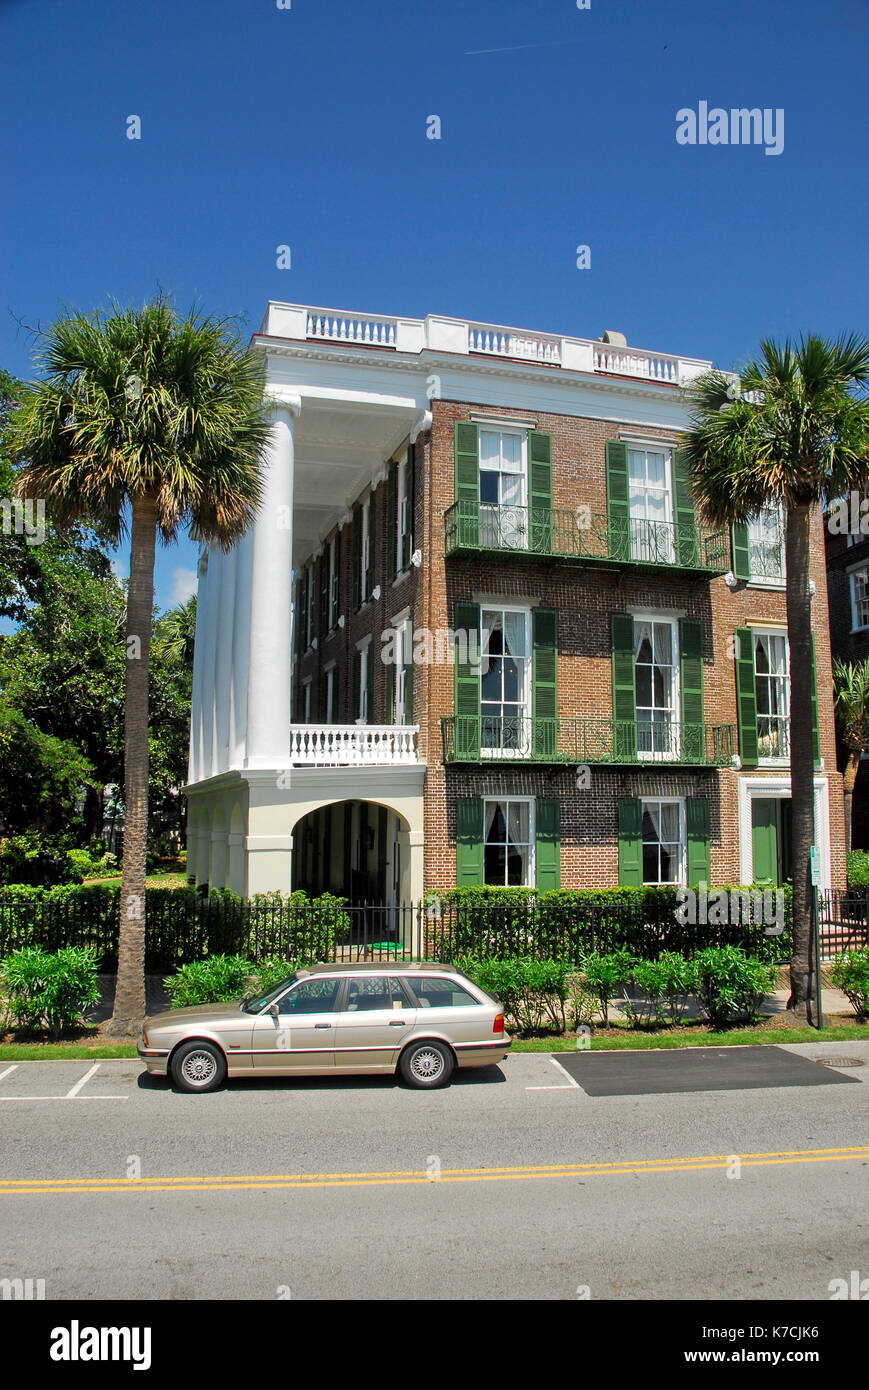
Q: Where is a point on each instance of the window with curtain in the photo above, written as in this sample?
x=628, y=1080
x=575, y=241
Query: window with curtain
x=860, y=598
x=664, y=845
x=505, y=681
x=656, y=665
x=766, y=545
x=651, y=505
x=507, y=846
x=772, y=692
x=402, y=513
x=333, y=582
x=503, y=491
x=364, y=682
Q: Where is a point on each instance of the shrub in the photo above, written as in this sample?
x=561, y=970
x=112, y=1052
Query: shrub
x=606, y=974
x=267, y=974
x=858, y=869
x=850, y=974
x=217, y=980
x=38, y=866
x=731, y=985
x=665, y=985
x=535, y=993
x=48, y=992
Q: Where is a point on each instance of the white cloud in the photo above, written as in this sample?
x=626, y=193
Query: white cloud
x=183, y=585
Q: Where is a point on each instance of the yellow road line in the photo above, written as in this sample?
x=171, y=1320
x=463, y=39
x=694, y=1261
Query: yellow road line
x=34, y=1187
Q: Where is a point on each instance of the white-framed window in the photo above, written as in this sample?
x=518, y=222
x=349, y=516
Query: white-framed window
x=859, y=580
x=401, y=688
x=772, y=688
x=656, y=667
x=766, y=546
x=402, y=512
x=334, y=579
x=508, y=842
x=330, y=696
x=650, y=492
x=309, y=605
x=665, y=845
x=363, y=694
x=503, y=489
x=307, y=687
x=365, y=549
x=505, y=684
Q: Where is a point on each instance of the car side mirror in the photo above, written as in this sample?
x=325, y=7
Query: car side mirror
x=273, y=1010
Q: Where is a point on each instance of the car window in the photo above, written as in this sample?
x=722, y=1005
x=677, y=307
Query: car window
x=435, y=992
x=310, y=997
x=375, y=992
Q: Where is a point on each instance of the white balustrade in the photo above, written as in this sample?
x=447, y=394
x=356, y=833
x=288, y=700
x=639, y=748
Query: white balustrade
x=505, y=342
x=653, y=366
x=336, y=327
x=352, y=745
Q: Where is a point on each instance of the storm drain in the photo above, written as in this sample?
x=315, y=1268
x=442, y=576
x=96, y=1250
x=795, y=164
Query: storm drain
x=840, y=1061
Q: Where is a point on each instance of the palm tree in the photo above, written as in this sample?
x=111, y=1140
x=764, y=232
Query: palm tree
x=144, y=423
x=792, y=431
x=851, y=680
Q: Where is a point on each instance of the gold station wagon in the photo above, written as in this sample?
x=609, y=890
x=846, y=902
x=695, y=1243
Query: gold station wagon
x=419, y=1020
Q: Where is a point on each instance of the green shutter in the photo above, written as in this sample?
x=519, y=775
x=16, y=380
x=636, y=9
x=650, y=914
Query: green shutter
x=372, y=547
x=467, y=461
x=624, y=688
x=544, y=675
x=697, y=815
x=691, y=654
x=687, y=540
x=467, y=723
x=356, y=558
x=469, y=841
x=547, y=871
x=540, y=473
x=746, y=698
x=631, y=843
x=391, y=521
x=816, y=738
x=409, y=485
x=740, y=561
x=618, y=500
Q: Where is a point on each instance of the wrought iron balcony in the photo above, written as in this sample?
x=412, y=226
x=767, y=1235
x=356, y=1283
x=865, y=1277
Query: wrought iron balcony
x=580, y=537
x=491, y=738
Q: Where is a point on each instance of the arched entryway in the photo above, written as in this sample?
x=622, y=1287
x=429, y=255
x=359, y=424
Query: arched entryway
x=358, y=850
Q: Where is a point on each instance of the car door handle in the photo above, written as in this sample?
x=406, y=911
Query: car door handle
x=322, y=1025
x=397, y=1023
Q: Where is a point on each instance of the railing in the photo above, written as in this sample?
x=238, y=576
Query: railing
x=497, y=738
x=437, y=333
x=624, y=361
x=352, y=745
x=506, y=342
x=843, y=921
x=589, y=537
x=336, y=327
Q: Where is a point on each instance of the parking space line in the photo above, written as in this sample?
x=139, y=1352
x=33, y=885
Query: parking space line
x=70, y=1095
x=569, y=1085
x=8, y=1070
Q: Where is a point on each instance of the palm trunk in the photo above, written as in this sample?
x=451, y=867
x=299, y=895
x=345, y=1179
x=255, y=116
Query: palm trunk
x=799, y=615
x=129, y=1007
x=849, y=778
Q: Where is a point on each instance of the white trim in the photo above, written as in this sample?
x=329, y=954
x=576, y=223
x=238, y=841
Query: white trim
x=531, y=803
x=676, y=667
x=780, y=789
x=502, y=422
x=679, y=801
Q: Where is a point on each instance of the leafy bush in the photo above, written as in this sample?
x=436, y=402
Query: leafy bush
x=858, y=869
x=731, y=985
x=267, y=974
x=38, y=866
x=665, y=986
x=606, y=974
x=50, y=992
x=850, y=974
x=535, y=993
x=217, y=980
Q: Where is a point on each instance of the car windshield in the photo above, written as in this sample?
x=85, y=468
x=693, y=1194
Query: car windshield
x=258, y=1002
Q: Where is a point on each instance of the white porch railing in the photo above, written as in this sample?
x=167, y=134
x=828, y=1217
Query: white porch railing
x=623, y=361
x=503, y=342
x=335, y=327
x=352, y=745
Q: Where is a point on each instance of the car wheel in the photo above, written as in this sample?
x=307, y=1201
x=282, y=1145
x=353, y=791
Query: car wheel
x=427, y=1065
x=198, y=1066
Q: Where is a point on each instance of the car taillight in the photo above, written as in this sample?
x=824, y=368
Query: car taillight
x=145, y=1038
x=498, y=1025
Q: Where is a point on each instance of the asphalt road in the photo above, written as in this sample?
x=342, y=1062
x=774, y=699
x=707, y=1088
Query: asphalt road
x=112, y=1185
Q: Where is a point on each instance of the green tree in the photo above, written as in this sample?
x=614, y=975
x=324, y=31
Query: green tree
x=143, y=423
x=794, y=430
x=171, y=692
x=851, y=683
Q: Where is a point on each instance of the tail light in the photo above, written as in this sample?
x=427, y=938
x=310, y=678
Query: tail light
x=498, y=1025
x=145, y=1038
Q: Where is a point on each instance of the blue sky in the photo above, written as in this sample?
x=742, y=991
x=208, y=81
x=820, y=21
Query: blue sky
x=307, y=127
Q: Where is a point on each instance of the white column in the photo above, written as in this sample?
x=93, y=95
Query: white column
x=223, y=661
x=194, y=767
x=240, y=652
x=207, y=639
x=268, y=691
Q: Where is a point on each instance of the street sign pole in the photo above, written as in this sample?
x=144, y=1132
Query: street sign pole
x=815, y=877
